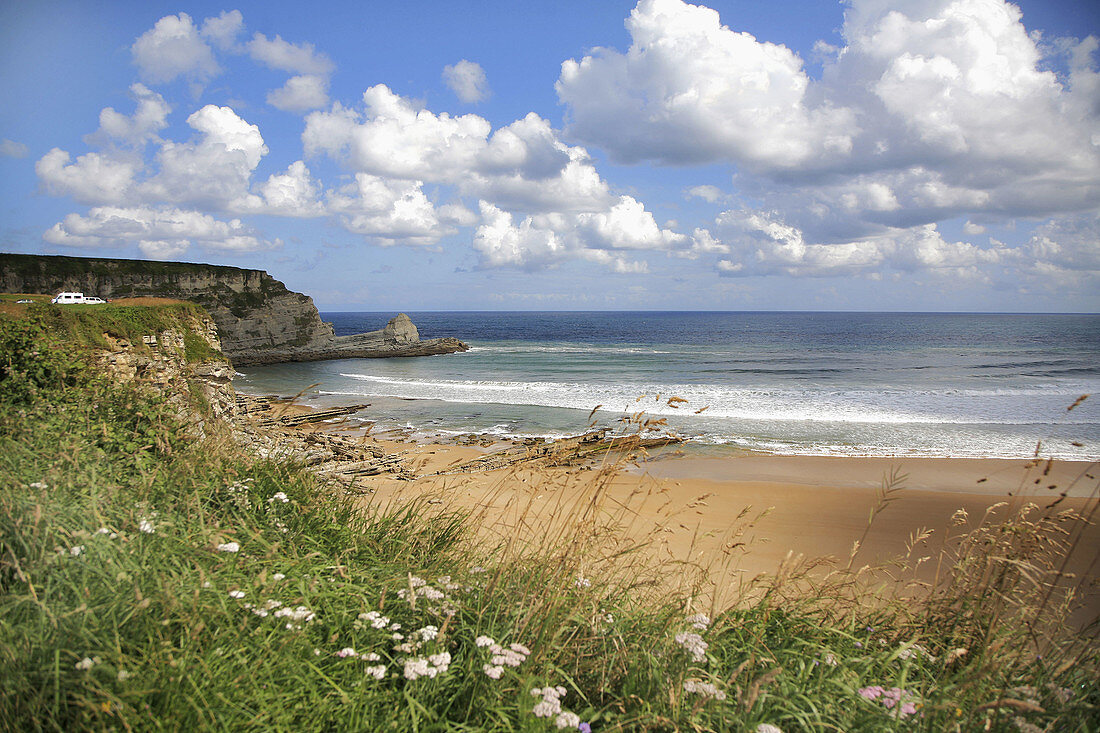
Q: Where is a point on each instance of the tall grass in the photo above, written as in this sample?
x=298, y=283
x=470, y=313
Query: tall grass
x=150, y=581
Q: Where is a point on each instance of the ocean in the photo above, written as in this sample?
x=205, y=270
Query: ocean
x=833, y=384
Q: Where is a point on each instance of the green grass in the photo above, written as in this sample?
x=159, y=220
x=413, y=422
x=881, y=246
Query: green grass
x=177, y=635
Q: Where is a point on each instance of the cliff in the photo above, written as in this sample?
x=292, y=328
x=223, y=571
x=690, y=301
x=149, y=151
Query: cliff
x=259, y=320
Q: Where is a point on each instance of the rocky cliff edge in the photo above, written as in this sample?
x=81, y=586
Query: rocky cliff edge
x=259, y=320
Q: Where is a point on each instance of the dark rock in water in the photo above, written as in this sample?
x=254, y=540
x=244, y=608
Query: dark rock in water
x=259, y=320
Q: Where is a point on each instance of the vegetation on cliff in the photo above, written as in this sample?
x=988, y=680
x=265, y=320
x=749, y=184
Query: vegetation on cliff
x=149, y=580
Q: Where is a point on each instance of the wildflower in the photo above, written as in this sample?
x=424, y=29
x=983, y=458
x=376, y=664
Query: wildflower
x=830, y=659
x=491, y=671
x=582, y=582
x=229, y=547
x=280, y=497
x=693, y=644
x=567, y=719
x=377, y=672
x=551, y=701
x=76, y=550
x=768, y=728
x=376, y=619
x=417, y=667
x=109, y=533
x=206, y=584
x=146, y=526
x=699, y=621
x=87, y=663
x=271, y=604
x=370, y=657
x=42, y=485
x=484, y=641
x=297, y=616
x=586, y=728
x=428, y=633
x=123, y=675
x=278, y=576
x=704, y=689
x=346, y=652
x=901, y=703
x=442, y=660
x=236, y=594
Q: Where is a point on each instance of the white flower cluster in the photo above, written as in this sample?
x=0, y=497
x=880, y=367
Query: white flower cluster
x=236, y=594
x=377, y=672
x=296, y=616
x=238, y=492
x=87, y=663
x=278, y=496
x=40, y=485
x=109, y=533
x=146, y=525
x=375, y=619
x=693, y=644
x=278, y=576
x=511, y=656
x=551, y=701
x=76, y=550
x=550, y=707
x=704, y=689
x=699, y=621
x=434, y=664
x=582, y=582
x=428, y=633
x=229, y=547
x=768, y=728
x=263, y=609
x=421, y=589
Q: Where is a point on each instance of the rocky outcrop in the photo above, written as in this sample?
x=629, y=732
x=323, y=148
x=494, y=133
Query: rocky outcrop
x=259, y=320
x=198, y=390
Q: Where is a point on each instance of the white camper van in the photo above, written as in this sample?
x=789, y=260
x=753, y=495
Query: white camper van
x=76, y=298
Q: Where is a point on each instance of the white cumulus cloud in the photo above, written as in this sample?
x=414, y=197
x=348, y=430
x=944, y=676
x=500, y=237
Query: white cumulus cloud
x=467, y=80
x=300, y=94
x=173, y=48
x=285, y=56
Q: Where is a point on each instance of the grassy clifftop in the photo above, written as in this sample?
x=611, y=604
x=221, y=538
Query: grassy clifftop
x=149, y=580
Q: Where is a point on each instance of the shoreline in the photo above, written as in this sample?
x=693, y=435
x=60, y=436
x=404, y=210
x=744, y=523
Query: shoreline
x=742, y=517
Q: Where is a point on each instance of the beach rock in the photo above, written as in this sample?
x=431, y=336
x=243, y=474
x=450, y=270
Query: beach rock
x=400, y=330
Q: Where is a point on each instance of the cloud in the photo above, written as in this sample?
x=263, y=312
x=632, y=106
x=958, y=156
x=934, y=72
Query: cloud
x=707, y=193
x=215, y=169
x=12, y=149
x=172, y=48
x=689, y=90
x=763, y=244
x=389, y=211
x=223, y=30
x=546, y=240
x=467, y=80
x=92, y=178
x=293, y=193
x=850, y=156
x=160, y=232
x=523, y=165
x=285, y=56
x=300, y=94
x=150, y=117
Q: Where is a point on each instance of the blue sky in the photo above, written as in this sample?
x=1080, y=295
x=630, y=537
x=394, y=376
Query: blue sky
x=866, y=155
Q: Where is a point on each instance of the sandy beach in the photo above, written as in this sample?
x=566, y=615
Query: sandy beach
x=746, y=515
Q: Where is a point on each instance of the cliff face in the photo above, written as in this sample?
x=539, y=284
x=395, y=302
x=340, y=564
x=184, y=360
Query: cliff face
x=258, y=319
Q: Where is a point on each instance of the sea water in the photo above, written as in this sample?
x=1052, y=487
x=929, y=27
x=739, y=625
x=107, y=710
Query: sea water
x=853, y=384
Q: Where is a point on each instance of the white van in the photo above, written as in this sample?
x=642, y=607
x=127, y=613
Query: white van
x=76, y=298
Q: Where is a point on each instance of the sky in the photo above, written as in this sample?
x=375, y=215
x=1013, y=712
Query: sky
x=918, y=155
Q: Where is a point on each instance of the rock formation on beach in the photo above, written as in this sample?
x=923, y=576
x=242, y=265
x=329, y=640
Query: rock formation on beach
x=259, y=320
